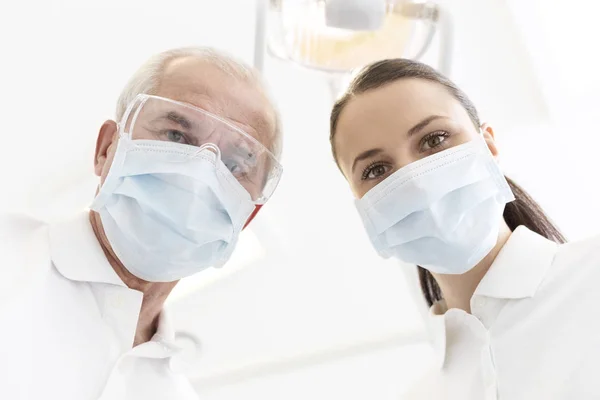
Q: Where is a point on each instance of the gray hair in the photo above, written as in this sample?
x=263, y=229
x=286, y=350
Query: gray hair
x=147, y=79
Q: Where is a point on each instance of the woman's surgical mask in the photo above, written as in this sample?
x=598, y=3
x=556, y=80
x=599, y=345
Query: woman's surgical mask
x=442, y=212
x=182, y=185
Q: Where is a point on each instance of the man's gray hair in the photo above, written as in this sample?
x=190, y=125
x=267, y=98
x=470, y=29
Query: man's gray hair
x=147, y=80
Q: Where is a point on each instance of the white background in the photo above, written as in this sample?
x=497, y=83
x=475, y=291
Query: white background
x=305, y=309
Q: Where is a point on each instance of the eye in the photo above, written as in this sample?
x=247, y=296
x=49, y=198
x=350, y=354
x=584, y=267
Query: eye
x=233, y=168
x=433, y=140
x=374, y=171
x=236, y=168
x=176, y=136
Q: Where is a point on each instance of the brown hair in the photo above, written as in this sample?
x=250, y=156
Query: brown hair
x=523, y=211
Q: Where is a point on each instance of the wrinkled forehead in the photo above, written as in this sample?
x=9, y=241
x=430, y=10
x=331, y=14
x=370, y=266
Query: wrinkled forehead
x=238, y=100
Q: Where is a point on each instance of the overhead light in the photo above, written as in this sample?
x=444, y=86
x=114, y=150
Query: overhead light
x=341, y=35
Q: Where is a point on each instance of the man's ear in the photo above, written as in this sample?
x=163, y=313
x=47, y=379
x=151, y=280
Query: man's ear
x=490, y=138
x=106, y=137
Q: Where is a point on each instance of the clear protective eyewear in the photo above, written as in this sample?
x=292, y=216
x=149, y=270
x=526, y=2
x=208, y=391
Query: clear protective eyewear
x=151, y=117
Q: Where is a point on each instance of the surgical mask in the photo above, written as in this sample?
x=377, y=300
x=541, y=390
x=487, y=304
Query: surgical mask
x=442, y=212
x=171, y=209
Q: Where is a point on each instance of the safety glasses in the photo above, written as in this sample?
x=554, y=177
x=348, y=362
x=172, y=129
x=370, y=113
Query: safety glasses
x=157, y=118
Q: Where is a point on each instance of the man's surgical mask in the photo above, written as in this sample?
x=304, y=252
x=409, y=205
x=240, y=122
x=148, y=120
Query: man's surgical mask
x=181, y=187
x=442, y=212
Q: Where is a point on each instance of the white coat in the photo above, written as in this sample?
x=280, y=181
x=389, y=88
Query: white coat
x=68, y=321
x=533, y=331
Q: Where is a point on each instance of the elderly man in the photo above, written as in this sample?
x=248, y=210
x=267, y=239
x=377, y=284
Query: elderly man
x=190, y=161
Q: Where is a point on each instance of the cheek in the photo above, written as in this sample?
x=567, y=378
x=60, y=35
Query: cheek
x=359, y=189
x=465, y=136
x=358, y=193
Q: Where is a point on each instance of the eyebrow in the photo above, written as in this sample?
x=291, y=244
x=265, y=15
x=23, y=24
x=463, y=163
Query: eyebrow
x=364, y=155
x=412, y=131
x=178, y=119
x=421, y=125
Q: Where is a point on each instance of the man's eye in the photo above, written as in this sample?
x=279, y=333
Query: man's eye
x=176, y=136
x=235, y=167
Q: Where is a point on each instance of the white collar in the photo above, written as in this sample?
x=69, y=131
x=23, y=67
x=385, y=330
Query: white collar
x=520, y=267
x=516, y=273
x=77, y=254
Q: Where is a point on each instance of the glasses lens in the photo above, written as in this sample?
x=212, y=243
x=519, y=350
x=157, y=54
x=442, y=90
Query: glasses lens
x=155, y=118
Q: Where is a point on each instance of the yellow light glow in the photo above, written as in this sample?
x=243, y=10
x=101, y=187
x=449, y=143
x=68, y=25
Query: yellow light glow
x=310, y=42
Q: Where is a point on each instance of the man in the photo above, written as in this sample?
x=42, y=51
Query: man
x=188, y=162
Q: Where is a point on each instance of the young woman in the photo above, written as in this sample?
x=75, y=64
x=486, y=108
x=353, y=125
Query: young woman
x=513, y=307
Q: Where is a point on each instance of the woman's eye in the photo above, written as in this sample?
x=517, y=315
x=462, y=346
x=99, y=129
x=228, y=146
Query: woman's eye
x=176, y=136
x=375, y=171
x=434, y=140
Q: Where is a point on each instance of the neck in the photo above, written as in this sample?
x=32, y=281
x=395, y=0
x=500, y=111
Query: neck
x=155, y=293
x=457, y=290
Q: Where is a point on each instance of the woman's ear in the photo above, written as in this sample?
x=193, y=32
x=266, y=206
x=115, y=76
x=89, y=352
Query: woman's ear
x=490, y=139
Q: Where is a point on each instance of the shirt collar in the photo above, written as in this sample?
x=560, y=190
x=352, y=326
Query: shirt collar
x=516, y=273
x=77, y=254
x=164, y=345
x=520, y=267
x=437, y=331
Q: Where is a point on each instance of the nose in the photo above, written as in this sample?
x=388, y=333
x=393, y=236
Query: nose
x=404, y=157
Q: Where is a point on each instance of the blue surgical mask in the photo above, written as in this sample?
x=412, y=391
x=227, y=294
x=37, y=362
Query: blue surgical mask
x=170, y=210
x=442, y=212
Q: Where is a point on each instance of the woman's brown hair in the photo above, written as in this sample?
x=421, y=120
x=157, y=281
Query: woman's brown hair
x=523, y=211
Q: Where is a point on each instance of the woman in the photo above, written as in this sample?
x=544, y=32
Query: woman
x=513, y=308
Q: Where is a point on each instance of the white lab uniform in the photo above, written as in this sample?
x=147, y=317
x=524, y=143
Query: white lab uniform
x=533, y=331
x=68, y=321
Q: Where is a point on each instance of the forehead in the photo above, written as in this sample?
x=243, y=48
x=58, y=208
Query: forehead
x=382, y=117
x=204, y=85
